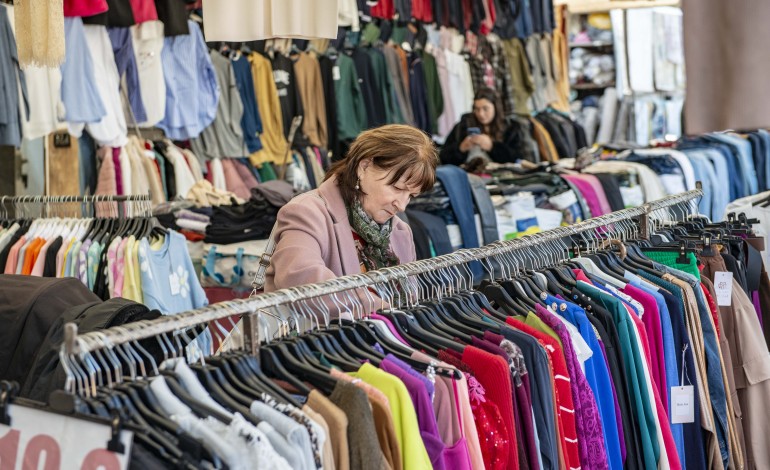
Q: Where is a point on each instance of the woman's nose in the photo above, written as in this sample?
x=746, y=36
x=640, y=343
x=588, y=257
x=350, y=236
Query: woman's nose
x=400, y=204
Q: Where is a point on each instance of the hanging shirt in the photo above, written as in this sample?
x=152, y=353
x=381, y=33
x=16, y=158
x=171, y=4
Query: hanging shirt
x=148, y=41
x=169, y=282
x=597, y=375
x=111, y=129
x=224, y=137
x=79, y=92
x=192, y=93
x=413, y=452
x=251, y=122
x=125, y=59
x=421, y=401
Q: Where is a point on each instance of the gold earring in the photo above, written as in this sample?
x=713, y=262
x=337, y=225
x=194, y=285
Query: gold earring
x=358, y=184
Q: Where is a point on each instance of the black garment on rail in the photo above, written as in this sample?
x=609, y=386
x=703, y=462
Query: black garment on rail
x=611, y=189
x=46, y=373
x=29, y=305
x=288, y=91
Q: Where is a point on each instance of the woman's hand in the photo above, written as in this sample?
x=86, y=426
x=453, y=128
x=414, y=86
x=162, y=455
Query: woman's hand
x=467, y=143
x=483, y=141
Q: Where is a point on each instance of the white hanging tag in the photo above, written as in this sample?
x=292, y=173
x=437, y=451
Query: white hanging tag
x=723, y=284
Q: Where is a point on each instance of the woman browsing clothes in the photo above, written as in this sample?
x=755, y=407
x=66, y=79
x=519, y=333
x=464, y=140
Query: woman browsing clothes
x=349, y=224
x=482, y=133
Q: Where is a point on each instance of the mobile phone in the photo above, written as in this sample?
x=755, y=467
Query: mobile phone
x=474, y=131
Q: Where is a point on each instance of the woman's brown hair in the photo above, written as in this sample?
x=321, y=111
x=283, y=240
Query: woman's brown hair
x=497, y=126
x=400, y=149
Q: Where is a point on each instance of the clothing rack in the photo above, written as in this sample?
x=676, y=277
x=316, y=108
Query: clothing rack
x=95, y=199
x=81, y=345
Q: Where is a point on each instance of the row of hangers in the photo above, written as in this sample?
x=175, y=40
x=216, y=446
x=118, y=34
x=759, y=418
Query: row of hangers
x=126, y=215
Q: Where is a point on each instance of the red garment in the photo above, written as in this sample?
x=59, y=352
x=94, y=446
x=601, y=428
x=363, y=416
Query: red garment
x=565, y=406
x=490, y=17
x=192, y=236
x=144, y=10
x=712, y=307
x=493, y=373
x=384, y=9
x=467, y=14
x=493, y=436
x=84, y=7
x=422, y=10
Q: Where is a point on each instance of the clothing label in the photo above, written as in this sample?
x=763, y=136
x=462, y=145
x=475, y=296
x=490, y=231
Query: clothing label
x=682, y=404
x=723, y=284
x=336, y=72
x=173, y=280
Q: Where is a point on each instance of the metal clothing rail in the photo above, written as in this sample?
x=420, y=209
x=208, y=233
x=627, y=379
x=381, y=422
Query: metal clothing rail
x=94, y=199
x=67, y=199
x=88, y=342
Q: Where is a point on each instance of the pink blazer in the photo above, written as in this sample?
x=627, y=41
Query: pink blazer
x=314, y=241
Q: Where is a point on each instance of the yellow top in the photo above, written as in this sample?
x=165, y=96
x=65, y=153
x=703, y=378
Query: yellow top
x=132, y=280
x=272, y=137
x=413, y=452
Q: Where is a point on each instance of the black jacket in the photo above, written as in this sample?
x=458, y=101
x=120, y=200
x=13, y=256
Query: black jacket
x=29, y=305
x=502, y=151
x=46, y=373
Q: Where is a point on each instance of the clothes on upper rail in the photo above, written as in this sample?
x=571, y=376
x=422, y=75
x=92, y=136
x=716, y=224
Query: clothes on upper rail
x=429, y=83
x=646, y=174
x=109, y=257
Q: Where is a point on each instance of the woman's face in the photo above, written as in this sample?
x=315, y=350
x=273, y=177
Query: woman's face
x=484, y=110
x=380, y=200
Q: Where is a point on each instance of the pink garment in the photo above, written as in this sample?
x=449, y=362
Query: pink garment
x=119, y=265
x=377, y=316
x=144, y=10
x=234, y=181
x=465, y=416
x=246, y=176
x=106, y=183
x=111, y=264
x=594, y=195
x=39, y=266
x=651, y=320
x=84, y=7
x=665, y=429
x=13, y=256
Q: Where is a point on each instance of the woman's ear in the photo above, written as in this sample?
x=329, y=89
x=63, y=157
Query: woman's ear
x=365, y=163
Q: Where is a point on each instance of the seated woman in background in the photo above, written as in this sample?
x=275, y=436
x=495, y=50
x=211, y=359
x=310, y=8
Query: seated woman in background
x=482, y=133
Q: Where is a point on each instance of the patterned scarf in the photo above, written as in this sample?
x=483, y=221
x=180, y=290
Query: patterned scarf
x=376, y=252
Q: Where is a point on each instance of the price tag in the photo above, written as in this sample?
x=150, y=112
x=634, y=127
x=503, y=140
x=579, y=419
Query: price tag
x=42, y=440
x=682, y=404
x=336, y=73
x=173, y=280
x=723, y=284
